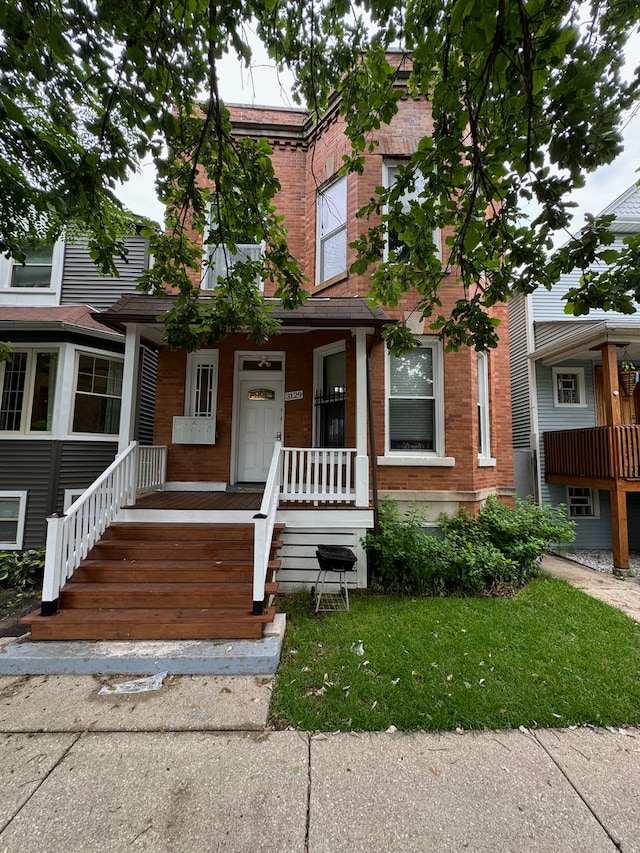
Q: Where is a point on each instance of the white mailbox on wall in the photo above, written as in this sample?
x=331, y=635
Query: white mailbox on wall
x=194, y=431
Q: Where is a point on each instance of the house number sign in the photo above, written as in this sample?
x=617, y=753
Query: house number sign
x=293, y=395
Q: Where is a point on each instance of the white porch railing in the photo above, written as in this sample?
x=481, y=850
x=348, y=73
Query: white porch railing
x=318, y=474
x=70, y=537
x=264, y=522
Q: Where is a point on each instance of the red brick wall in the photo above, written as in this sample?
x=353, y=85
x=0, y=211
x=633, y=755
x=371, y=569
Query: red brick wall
x=302, y=163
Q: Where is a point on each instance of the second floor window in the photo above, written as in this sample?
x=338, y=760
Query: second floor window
x=36, y=270
x=221, y=260
x=396, y=248
x=332, y=230
x=27, y=384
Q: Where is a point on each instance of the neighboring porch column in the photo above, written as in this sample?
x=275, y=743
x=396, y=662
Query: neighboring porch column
x=362, y=461
x=619, y=531
x=129, y=387
x=613, y=418
x=610, y=387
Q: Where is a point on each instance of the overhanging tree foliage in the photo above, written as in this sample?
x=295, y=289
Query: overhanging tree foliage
x=527, y=98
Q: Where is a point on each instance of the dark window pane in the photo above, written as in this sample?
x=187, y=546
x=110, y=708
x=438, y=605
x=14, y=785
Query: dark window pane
x=412, y=424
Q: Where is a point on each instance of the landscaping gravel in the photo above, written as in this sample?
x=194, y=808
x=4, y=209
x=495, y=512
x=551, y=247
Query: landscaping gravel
x=601, y=561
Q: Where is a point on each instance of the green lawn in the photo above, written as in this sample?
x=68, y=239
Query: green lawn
x=550, y=656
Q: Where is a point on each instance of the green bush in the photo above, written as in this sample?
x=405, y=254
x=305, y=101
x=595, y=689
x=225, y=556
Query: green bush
x=22, y=569
x=495, y=553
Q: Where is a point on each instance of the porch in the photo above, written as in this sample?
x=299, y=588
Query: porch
x=135, y=560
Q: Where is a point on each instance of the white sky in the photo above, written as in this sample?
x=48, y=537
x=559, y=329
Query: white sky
x=262, y=85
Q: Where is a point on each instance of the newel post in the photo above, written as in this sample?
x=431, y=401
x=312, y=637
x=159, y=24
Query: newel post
x=52, y=565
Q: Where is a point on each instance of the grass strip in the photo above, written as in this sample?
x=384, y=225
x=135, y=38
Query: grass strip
x=550, y=656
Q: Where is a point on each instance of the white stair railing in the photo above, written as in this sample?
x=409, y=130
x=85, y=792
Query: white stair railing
x=70, y=537
x=318, y=474
x=264, y=523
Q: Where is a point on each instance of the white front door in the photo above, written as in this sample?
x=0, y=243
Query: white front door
x=259, y=426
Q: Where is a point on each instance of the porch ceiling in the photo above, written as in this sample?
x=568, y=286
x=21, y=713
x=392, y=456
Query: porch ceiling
x=315, y=313
x=585, y=342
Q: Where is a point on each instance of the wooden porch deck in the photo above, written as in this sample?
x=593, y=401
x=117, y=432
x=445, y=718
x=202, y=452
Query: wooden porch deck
x=199, y=500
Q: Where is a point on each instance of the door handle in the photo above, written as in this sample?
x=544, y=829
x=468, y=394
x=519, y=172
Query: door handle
x=278, y=436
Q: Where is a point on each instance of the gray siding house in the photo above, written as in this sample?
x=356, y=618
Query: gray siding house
x=575, y=421
x=61, y=392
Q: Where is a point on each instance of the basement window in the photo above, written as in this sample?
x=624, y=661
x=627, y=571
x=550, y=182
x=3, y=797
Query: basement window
x=582, y=502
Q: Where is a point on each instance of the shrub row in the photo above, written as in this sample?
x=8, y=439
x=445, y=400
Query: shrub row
x=495, y=553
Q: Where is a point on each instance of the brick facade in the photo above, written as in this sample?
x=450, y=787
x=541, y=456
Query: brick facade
x=306, y=157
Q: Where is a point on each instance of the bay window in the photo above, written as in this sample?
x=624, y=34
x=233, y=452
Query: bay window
x=415, y=402
x=98, y=394
x=27, y=385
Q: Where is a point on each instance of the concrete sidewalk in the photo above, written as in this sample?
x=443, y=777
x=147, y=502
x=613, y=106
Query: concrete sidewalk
x=192, y=767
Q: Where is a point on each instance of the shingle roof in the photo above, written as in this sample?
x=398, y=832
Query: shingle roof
x=78, y=316
x=318, y=312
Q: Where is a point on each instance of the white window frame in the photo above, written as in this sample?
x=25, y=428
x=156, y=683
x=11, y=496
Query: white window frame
x=483, y=403
x=593, y=501
x=29, y=387
x=107, y=356
x=33, y=295
x=70, y=497
x=22, y=513
x=388, y=168
x=578, y=372
x=421, y=457
x=217, y=260
x=321, y=238
x=195, y=360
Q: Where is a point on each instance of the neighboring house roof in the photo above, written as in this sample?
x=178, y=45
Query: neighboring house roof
x=77, y=318
x=583, y=340
x=316, y=312
x=626, y=209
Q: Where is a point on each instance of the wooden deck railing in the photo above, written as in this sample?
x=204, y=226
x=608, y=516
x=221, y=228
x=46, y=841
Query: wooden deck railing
x=598, y=453
x=71, y=536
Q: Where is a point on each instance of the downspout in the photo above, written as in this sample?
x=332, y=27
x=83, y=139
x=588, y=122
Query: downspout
x=372, y=434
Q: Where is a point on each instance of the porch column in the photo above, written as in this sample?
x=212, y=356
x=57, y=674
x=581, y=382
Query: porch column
x=610, y=385
x=129, y=387
x=619, y=531
x=362, y=461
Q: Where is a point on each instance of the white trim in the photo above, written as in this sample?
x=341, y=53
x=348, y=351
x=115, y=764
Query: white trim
x=30, y=296
x=483, y=402
x=486, y=462
x=32, y=353
x=71, y=496
x=210, y=357
x=421, y=457
x=425, y=461
x=575, y=371
x=108, y=356
x=194, y=486
x=321, y=238
x=21, y=495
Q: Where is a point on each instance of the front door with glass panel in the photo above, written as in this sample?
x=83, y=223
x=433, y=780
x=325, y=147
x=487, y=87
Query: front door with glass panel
x=259, y=425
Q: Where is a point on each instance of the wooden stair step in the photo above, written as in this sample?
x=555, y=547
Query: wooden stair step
x=180, y=532
x=149, y=624
x=192, y=571
x=126, y=596
x=115, y=549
